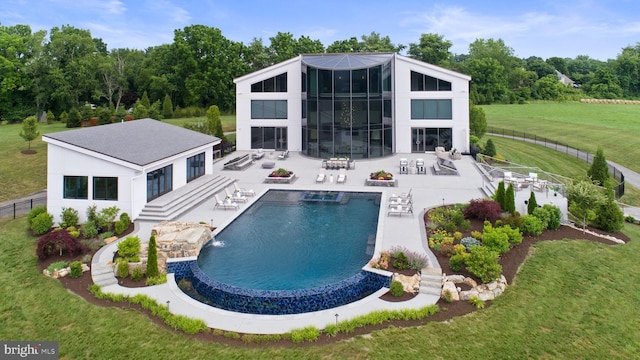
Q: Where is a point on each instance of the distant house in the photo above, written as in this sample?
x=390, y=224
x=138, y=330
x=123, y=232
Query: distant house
x=565, y=79
x=123, y=164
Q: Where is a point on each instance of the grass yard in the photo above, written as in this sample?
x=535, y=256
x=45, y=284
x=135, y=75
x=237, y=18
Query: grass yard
x=584, y=126
x=572, y=299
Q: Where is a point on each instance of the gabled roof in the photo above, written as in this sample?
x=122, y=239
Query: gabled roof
x=140, y=142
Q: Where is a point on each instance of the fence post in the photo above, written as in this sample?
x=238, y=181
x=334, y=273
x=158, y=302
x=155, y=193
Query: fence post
x=31, y=204
x=14, y=211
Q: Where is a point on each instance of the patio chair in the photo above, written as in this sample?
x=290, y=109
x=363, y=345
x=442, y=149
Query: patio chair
x=226, y=204
x=508, y=178
x=234, y=196
x=284, y=155
x=394, y=202
x=258, y=154
x=243, y=191
x=399, y=210
x=322, y=177
x=342, y=176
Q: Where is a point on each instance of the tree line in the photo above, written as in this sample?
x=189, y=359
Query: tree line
x=61, y=70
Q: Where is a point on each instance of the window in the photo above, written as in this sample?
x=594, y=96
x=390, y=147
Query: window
x=195, y=167
x=159, y=182
x=421, y=82
x=431, y=109
x=105, y=188
x=268, y=109
x=275, y=84
x=75, y=187
x=269, y=138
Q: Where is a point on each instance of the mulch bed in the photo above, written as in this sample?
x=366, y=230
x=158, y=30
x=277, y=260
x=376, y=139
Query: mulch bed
x=511, y=262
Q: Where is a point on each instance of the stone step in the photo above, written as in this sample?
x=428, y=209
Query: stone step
x=99, y=270
x=104, y=279
x=431, y=271
x=106, y=282
x=430, y=283
x=430, y=291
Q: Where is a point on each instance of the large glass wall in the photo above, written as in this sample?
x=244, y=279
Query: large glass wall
x=427, y=139
x=348, y=112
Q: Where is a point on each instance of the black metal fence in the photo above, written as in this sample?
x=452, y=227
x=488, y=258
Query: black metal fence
x=562, y=147
x=22, y=207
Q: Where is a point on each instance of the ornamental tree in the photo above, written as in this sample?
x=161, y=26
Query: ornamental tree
x=29, y=129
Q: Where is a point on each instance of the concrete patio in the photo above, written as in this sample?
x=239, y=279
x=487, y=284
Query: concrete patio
x=407, y=231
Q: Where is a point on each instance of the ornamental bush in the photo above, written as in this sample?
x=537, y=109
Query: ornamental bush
x=495, y=239
x=37, y=210
x=396, y=288
x=69, y=217
x=120, y=227
x=129, y=247
x=137, y=274
x=555, y=216
x=401, y=262
x=89, y=229
x=532, y=204
x=152, y=258
x=483, y=209
x=58, y=241
x=75, y=269
x=457, y=260
x=42, y=223
x=470, y=242
x=610, y=217
x=483, y=263
x=123, y=269
x=531, y=225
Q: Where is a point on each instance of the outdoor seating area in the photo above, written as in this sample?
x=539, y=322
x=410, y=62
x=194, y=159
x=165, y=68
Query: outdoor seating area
x=238, y=163
x=522, y=182
x=243, y=191
x=258, y=154
x=444, y=167
x=400, y=204
x=412, y=167
x=338, y=163
x=226, y=204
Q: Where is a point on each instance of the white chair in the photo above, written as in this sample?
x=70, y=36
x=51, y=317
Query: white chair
x=533, y=177
x=235, y=196
x=243, y=191
x=342, y=176
x=284, y=155
x=227, y=204
x=322, y=177
x=508, y=178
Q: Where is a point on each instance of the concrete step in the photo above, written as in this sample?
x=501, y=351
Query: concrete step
x=430, y=291
x=99, y=270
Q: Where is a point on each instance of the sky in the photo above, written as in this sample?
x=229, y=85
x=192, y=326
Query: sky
x=568, y=28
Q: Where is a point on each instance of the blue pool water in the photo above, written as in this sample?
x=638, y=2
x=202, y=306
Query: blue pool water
x=282, y=243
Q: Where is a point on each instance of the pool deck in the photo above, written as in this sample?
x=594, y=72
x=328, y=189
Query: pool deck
x=406, y=230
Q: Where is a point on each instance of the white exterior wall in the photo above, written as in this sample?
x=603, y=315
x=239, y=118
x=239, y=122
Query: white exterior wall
x=132, y=179
x=459, y=95
x=294, y=104
x=64, y=162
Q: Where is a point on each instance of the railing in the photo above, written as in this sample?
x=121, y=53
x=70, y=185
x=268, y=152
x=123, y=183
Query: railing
x=562, y=147
x=22, y=207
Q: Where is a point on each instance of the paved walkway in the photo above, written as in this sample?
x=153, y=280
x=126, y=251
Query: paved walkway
x=406, y=231
x=630, y=177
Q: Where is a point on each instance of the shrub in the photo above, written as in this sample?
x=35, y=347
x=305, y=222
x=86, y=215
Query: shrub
x=89, y=229
x=543, y=215
x=447, y=296
x=136, y=274
x=125, y=219
x=447, y=249
x=58, y=241
x=106, y=217
x=476, y=235
x=459, y=249
x=123, y=269
x=532, y=225
x=483, y=209
x=457, y=236
x=490, y=148
x=69, y=217
x=73, y=231
x=129, y=247
x=152, y=258
x=37, y=210
x=532, y=204
x=309, y=333
x=57, y=266
x=495, y=239
x=630, y=219
x=456, y=261
x=477, y=302
x=105, y=235
x=470, y=242
x=401, y=262
x=92, y=213
x=609, y=218
x=160, y=279
x=499, y=196
x=75, y=269
x=42, y=223
x=438, y=238
x=483, y=263
x=396, y=288
x=510, y=199
x=555, y=216
x=512, y=220
x=382, y=262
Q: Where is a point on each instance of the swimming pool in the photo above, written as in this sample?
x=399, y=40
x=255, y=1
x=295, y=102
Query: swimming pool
x=287, y=255
x=285, y=243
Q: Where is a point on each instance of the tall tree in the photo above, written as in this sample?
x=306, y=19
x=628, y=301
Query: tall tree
x=532, y=204
x=584, y=199
x=487, y=79
x=29, y=129
x=477, y=121
x=167, y=107
x=432, y=49
x=510, y=199
x=351, y=45
x=627, y=70
x=599, y=170
x=375, y=43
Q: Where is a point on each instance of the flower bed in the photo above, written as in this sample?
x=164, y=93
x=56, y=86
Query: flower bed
x=380, y=178
x=280, y=176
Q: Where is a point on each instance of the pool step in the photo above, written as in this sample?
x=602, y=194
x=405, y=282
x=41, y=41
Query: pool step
x=371, y=245
x=431, y=281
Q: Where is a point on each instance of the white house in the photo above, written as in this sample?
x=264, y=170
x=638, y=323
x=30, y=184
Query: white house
x=124, y=164
x=355, y=105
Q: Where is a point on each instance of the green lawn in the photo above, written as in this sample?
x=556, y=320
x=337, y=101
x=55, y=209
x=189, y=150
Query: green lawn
x=573, y=299
x=584, y=126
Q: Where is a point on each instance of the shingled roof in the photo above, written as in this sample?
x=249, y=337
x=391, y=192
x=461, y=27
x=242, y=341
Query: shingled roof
x=139, y=142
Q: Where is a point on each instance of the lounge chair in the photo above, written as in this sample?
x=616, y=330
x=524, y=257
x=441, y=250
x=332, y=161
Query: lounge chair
x=394, y=202
x=234, y=196
x=322, y=177
x=226, y=204
x=342, y=176
x=508, y=178
x=400, y=209
x=284, y=155
x=258, y=154
x=243, y=191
